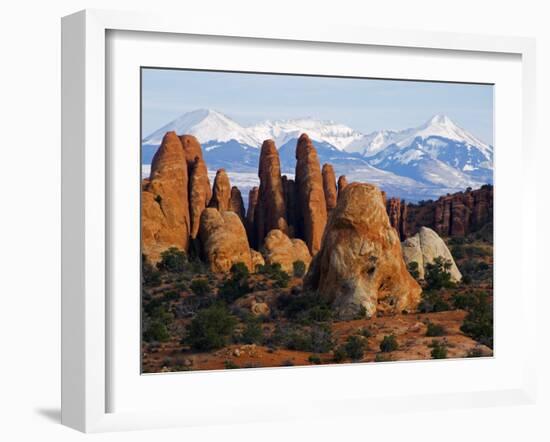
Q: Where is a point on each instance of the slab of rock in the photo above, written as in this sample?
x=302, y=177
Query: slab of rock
x=289, y=188
x=424, y=247
x=236, y=203
x=251, y=215
x=279, y=248
x=329, y=186
x=199, y=193
x=360, y=264
x=221, y=192
x=223, y=239
x=311, y=204
x=191, y=148
x=342, y=183
x=165, y=205
x=270, y=209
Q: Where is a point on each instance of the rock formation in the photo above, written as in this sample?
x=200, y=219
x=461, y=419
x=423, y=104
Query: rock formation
x=279, y=248
x=223, y=239
x=360, y=263
x=257, y=259
x=397, y=213
x=236, y=203
x=291, y=209
x=329, y=186
x=250, y=216
x=191, y=148
x=452, y=215
x=165, y=205
x=270, y=209
x=311, y=204
x=199, y=192
x=221, y=192
x=424, y=247
x=342, y=183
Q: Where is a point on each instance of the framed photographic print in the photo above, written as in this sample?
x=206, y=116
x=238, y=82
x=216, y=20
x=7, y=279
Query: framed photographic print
x=291, y=222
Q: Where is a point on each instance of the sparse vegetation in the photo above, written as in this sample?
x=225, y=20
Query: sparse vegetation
x=236, y=286
x=299, y=268
x=211, y=328
x=339, y=354
x=437, y=274
x=314, y=359
x=355, y=347
x=306, y=308
x=435, y=330
x=274, y=272
x=200, y=287
x=389, y=343
x=413, y=270
x=439, y=349
x=172, y=260
x=433, y=301
x=252, y=332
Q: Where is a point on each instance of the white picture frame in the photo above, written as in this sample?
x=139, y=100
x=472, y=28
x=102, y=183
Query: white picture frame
x=86, y=350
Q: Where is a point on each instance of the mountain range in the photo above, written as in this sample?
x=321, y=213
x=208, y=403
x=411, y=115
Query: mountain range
x=423, y=162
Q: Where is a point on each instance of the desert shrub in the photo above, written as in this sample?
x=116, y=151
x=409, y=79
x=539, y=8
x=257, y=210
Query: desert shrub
x=172, y=260
x=412, y=267
x=314, y=359
x=478, y=323
x=457, y=240
x=239, y=270
x=432, y=301
x=458, y=252
x=437, y=274
x=211, y=328
x=235, y=287
x=299, y=268
x=149, y=276
x=339, y=354
x=156, y=331
x=439, y=350
x=355, y=347
x=230, y=365
x=315, y=339
x=365, y=332
x=200, y=287
x=475, y=251
x=305, y=308
x=287, y=363
x=274, y=272
x=476, y=270
x=389, y=343
x=435, y=330
x=252, y=332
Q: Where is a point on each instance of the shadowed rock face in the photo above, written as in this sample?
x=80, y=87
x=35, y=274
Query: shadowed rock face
x=199, y=193
x=424, y=247
x=270, y=210
x=223, y=239
x=236, y=203
x=360, y=262
x=221, y=192
x=342, y=183
x=329, y=186
x=311, y=204
x=165, y=206
x=250, y=216
x=279, y=248
x=289, y=188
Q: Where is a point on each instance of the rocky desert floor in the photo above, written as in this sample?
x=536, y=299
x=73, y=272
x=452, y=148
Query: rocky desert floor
x=273, y=323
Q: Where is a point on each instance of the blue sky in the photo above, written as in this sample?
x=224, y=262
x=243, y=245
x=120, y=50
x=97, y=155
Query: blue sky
x=363, y=104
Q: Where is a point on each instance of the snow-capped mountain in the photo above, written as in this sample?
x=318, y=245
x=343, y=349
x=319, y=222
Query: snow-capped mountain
x=206, y=125
x=281, y=131
x=434, y=158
